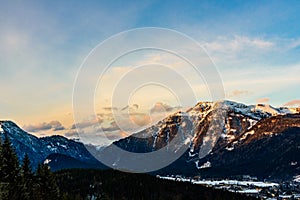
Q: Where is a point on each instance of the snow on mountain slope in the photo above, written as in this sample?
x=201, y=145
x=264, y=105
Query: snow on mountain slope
x=204, y=129
x=1, y=129
x=297, y=178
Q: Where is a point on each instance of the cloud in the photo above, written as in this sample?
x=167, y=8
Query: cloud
x=109, y=108
x=57, y=126
x=53, y=125
x=238, y=93
x=88, y=122
x=162, y=107
x=128, y=107
x=125, y=108
x=295, y=102
x=140, y=119
x=237, y=43
x=71, y=133
x=112, y=127
x=263, y=100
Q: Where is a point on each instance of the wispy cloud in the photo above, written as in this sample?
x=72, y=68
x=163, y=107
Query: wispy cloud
x=109, y=108
x=53, y=125
x=162, y=107
x=237, y=43
x=71, y=133
x=92, y=121
x=295, y=102
x=263, y=100
x=238, y=93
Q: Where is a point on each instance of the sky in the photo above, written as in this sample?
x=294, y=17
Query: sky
x=254, y=45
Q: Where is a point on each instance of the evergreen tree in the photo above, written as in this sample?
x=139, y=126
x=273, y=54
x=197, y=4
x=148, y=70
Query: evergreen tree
x=46, y=183
x=20, y=182
x=3, y=184
x=10, y=171
x=10, y=163
x=27, y=179
x=26, y=168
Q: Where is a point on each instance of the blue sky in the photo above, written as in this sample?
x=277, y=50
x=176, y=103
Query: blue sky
x=254, y=44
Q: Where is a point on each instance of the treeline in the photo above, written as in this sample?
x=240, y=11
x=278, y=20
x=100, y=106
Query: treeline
x=19, y=181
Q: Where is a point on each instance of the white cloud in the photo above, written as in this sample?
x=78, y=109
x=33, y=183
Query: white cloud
x=237, y=44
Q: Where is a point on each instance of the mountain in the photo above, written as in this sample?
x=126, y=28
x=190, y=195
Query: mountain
x=47, y=149
x=220, y=139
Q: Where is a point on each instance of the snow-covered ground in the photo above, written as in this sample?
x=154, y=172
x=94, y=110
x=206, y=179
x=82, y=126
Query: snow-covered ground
x=205, y=165
x=235, y=182
x=222, y=182
x=254, y=188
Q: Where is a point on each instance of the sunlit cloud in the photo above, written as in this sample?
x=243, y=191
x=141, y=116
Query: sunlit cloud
x=141, y=120
x=238, y=93
x=91, y=121
x=162, y=107
x=71, y=133
x=53, y=125
x=295, y=102
x=263, y=100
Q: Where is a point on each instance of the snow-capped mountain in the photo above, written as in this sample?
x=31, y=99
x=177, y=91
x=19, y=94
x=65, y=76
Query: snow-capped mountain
x=212, y=132
x=39, y=149
x=218, y=139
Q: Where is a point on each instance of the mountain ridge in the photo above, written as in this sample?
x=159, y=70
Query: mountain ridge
x=234, y=122
x=208, y=133
x=38, y=149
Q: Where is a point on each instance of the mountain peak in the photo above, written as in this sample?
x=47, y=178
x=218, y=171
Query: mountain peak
x=8, y=123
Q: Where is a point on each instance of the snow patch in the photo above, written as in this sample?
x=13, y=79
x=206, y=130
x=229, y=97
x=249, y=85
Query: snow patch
x=246, y=134
x=223, y=182
x=252, y=123
x=297, y=178
x=192, y=154
x=236, y=182
x=232, y=130
x=47, y=161
x=205, y=165
x=187, y=141
x=229, y=148
x=294, y=163
x=1, y=129
x=249, y=191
